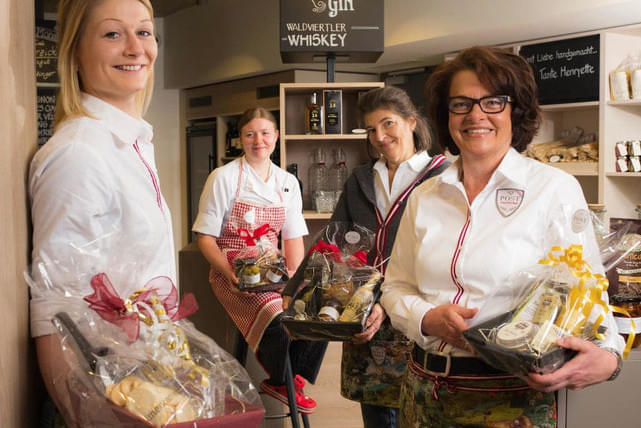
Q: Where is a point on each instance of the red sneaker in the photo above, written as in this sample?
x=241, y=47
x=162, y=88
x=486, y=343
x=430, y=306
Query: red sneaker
x=299, y=383
x=304, y=403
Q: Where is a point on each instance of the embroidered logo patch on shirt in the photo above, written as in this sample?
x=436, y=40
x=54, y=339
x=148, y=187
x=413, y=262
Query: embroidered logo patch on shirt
x=508, y=201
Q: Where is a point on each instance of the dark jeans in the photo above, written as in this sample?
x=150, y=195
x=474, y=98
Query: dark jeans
x=305, y=356
x=379, y=416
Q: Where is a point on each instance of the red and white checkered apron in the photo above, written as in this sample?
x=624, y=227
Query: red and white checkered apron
x=251, y=312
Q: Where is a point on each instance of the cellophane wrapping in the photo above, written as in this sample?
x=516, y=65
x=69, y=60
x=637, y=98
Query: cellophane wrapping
x=336, y=289
x=259, y=266
x=133, y=359
x=560, y=296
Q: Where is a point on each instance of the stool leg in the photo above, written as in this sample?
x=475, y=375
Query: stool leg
x=291, y=392
x=305, y=420
x=240, y=352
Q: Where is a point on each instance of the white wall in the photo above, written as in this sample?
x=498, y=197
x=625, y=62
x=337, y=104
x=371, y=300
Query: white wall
x=226, y=39
x=163, y=115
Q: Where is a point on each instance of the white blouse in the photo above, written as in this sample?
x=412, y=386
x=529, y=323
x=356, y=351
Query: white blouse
x=96, y=207
x=450, y=251
x=219, y=195
x=405, y=175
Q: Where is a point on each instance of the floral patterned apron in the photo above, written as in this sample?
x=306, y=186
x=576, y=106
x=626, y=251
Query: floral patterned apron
x=251, y=312
x=371, y=373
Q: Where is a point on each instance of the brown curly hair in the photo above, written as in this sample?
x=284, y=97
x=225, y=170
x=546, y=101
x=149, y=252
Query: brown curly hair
x=502, y=73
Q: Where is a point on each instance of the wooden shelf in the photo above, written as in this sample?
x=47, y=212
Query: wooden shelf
x=313, y=215
x=577, y=168
x=631, y=103
x=324, y=137
x=623, y=174
x=570, y=106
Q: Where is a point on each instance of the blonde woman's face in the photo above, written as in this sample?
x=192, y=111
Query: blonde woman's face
x=117, y=51
x=259, y=140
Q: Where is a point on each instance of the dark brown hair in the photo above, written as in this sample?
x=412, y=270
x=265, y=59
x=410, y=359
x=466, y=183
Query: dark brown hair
x=502, y=73
x=396, y=100
x=256, y=113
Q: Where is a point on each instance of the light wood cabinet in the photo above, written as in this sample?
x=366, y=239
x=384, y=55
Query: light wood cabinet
x=612, y=121
x=297, y=147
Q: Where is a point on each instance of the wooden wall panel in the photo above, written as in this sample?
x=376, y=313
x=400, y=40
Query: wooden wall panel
x=18, y=127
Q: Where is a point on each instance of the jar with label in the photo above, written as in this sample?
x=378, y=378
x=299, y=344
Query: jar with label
x=638, y=210
x=516, y=335
x=330, y=311
x=633, y=306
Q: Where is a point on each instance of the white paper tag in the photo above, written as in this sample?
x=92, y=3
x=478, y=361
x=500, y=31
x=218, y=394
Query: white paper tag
x=352, y=237
x=580, y=220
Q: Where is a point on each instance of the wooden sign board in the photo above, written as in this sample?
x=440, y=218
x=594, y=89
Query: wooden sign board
x=566, y=71
x=350, y=29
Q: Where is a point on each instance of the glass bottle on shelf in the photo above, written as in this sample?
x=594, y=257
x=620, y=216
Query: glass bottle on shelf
x=229, y=149
x=638, y=211
x=338, y=174
x=314, y=116
x=235, y=140
x=292, y=168
x=319, y=195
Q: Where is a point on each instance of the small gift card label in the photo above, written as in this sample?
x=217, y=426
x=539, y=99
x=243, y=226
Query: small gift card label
x=508, y=201
x=580, y=220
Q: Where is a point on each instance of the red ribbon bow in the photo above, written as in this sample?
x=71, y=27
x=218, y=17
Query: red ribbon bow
x=327, y=249
x=360, y=256
x=106, y=302
x=249, y=238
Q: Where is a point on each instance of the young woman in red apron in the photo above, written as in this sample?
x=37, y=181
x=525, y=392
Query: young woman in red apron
x=257, y=315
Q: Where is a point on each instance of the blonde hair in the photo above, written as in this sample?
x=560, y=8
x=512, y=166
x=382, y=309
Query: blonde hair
x=71, y=19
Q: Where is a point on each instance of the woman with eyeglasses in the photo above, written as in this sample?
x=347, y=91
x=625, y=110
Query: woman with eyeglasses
x=464, y=232
x=374, y=196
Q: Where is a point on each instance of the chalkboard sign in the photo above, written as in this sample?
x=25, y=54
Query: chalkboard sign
x=566, y=71
x=46, y=108
x=350, y=29
x=46, y=52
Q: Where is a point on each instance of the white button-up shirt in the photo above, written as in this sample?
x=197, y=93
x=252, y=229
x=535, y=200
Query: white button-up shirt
x=94, y=190
x=405, y=175
x=219, y=195
x=448, y=251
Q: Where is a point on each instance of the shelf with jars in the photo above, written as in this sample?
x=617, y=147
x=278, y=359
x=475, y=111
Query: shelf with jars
x=321, y=142
x=606, y=180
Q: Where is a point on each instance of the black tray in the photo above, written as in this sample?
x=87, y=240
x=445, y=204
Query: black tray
x=516, y=362
x=327, y=331
x=272, y=286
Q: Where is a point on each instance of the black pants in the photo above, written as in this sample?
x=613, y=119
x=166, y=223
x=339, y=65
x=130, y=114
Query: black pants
x=305, y=356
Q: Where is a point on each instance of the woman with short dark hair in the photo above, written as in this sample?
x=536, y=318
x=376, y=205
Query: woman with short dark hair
x=464, y=232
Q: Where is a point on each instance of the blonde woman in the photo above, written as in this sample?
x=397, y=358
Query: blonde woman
x=97, y=172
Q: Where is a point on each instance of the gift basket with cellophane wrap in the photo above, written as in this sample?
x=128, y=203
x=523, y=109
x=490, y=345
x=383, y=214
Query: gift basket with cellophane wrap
x=134, y=358
x=336, y=289
x=259, y=266
x=562, y=295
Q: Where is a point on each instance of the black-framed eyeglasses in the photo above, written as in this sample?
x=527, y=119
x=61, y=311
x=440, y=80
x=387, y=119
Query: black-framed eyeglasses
x=489, y=104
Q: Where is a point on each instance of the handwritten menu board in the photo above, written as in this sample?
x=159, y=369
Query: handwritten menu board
x=46, y=52
x=46, y=108
x=566, y=71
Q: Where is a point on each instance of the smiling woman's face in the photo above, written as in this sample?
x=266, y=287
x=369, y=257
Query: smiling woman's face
x=117, y=51
x=478, y=134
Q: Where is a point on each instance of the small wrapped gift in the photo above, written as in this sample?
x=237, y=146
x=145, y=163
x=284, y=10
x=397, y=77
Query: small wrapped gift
x=259, y=266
